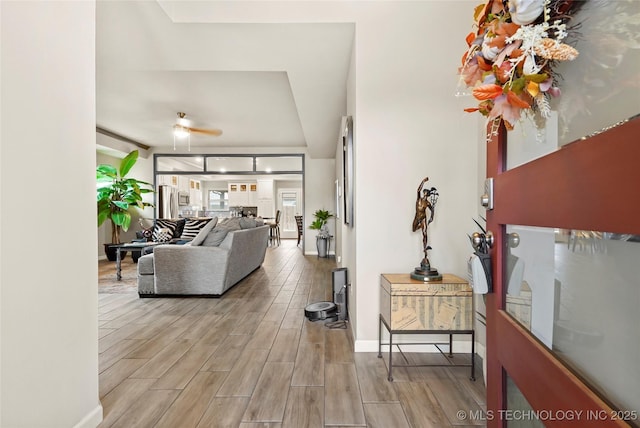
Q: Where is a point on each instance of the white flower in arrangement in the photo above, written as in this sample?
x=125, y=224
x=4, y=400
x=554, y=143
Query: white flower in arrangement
x=543, y=105
x=488, y=52
x=535, y=41
x=524, y=12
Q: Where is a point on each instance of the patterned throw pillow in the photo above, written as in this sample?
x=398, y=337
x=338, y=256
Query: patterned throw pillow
x=192, y=227
x=179, y=227
x=164, y=224
x=164, y=235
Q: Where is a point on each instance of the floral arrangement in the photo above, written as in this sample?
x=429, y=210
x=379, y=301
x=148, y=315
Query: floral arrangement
x=509, y=61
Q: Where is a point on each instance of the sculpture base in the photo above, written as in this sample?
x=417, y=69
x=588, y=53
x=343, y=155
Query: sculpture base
x=426, y=273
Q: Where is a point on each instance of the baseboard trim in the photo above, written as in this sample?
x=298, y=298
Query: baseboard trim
x=91, y=419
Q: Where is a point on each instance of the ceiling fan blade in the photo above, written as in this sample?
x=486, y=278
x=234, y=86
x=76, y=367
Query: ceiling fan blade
x=213, y=132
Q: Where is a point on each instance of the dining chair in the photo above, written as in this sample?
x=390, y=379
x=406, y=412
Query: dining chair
x=274, y=231
x=299, y=224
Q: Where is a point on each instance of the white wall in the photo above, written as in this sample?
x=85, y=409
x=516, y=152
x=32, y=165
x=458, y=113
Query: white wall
x=409, y=126
x=348, y=233
x=318, y=194
x=48, y=274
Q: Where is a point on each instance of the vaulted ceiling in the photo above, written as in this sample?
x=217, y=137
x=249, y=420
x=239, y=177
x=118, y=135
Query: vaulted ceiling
x=263, y=84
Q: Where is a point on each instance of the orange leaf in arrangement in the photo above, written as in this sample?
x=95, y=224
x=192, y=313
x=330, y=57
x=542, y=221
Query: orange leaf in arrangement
x=503, y=73
x=487, y=92
x=516, y=101
x=503, y=30
x=497, y=42
x=470, y=38
x=483, y=64
x=471, y=109
x=507, y=29
x=507, y=125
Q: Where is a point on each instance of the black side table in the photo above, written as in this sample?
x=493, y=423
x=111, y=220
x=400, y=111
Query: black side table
x=129, y=246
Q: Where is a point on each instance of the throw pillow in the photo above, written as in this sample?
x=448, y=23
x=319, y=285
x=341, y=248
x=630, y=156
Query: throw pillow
x=192, y=227
x=179, y=227
x=176, y=227
x=201, y=236
x=232, y=221
x=163, y=224
x=247, y=222
x=217, y=235
x=164, y=235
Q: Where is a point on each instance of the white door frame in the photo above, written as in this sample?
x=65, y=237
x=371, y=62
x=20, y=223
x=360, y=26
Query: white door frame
x=291, y=233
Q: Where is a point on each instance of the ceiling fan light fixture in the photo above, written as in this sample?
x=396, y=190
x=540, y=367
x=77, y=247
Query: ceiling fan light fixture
x=182, y=120
x=180, y=131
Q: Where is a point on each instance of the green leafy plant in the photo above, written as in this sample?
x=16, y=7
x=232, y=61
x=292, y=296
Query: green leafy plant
x=117, y=194
x=322, y=216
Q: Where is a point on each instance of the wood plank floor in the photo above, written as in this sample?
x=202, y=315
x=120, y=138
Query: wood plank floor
x=251, y=359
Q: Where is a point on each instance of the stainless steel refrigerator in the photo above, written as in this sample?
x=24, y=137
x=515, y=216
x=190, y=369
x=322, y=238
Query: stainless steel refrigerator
x=167, y=202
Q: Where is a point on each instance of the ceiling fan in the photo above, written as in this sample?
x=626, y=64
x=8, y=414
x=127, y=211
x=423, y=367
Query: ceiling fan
x=182, y=128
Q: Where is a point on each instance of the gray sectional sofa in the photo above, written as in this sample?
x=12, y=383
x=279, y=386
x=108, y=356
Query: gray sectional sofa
x=218, y=260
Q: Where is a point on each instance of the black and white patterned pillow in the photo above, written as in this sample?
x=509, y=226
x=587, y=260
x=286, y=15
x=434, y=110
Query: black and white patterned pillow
x=164, y=235
x=192, y=227
x=164, y=224
x=179, y=226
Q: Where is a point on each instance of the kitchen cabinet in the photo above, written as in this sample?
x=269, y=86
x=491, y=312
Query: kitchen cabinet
x=243, y=194
x=195, y=194
x=167, y=180
x=183, y=183
x=266, y=198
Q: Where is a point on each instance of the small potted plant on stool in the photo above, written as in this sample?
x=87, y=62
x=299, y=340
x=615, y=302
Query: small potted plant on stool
x=323, y=238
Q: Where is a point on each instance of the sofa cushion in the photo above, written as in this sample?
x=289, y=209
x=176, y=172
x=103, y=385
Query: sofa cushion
x=218, y=233
x=192, y=227
x=200, y=237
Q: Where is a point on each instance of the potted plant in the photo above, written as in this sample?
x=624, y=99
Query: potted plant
x=323, y=237
x=117, y=194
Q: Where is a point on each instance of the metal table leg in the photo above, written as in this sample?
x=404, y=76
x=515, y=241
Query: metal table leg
x=118, y=264
x=380, y=336
x=390, y=377
x=473, y=355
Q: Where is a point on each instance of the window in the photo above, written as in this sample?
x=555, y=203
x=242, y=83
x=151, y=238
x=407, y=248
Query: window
x=218, y=200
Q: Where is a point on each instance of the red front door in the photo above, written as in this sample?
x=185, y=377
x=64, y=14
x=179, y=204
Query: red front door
x=562, y=335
